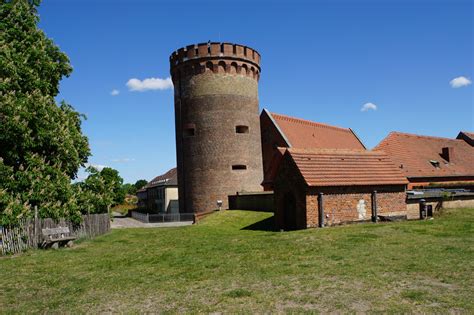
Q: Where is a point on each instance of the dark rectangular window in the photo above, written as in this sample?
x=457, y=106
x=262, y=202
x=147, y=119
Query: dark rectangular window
x=239, y=167
x=188, y=132
x=242, y=129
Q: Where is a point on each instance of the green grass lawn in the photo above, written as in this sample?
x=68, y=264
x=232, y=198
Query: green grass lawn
x=229, y=263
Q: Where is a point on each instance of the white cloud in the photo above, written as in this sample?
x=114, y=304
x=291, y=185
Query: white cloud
x=460, y=82
x=115, y=92
x=124, y=160
x=368, y=106
x=149, y=84
x=98, y=167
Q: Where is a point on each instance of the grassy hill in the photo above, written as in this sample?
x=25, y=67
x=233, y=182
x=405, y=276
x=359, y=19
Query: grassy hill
x=231, y=263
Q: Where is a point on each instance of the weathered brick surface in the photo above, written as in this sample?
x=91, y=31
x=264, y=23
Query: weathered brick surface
x=287, y=184
x=271, y=140
x=216, y=89
x=339, y=203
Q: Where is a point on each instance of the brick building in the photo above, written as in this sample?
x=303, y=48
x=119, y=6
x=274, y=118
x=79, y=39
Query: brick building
x=280, y=131
x=160, y=195
x=218, y=141
x=338, y=185
x=432, y=161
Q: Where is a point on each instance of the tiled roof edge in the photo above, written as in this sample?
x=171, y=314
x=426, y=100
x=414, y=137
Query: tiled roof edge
x=419, y=136
x=309, y=122
x=277, y=127
x=357, y=137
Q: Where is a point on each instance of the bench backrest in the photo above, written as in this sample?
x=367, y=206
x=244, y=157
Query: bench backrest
x=59, y=231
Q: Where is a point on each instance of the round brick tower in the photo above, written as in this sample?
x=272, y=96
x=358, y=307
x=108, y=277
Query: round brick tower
x=217, y=123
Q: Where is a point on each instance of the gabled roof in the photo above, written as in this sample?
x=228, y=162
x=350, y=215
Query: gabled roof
x=466, y=136
x=300, y=133
x=332, y=167
x=169, y=178
x=422, y=156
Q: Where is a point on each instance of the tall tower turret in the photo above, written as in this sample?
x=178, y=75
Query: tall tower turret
x=217, y=123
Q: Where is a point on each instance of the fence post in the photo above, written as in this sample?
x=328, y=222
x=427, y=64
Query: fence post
x=320, y=210
x=374, y=206
x=36, y=241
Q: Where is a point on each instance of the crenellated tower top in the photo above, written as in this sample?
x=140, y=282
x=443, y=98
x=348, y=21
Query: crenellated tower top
x=216, y=57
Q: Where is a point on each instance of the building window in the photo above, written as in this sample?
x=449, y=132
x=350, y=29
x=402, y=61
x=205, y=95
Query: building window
x=239, y=167
x=242, y=129
x=189, y=130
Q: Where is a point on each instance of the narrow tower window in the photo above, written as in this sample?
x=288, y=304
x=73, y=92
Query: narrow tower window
x=189, y=130
x=239, y=167
x=242, y=129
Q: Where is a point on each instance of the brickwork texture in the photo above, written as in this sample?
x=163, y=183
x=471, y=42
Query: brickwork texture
x=296, y=204
x=217, y=123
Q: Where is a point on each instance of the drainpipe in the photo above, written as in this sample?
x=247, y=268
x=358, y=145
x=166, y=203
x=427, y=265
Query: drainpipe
x=320, y=210
x=374, y=206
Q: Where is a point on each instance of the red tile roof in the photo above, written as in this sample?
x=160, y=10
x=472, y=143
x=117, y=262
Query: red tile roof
x=332, y=167
x=302, y=133
x=418, y=155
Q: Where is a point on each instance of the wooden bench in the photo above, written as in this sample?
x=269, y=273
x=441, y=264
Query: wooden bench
x=55, y=237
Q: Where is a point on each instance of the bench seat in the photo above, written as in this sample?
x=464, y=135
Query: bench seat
x=53, y=237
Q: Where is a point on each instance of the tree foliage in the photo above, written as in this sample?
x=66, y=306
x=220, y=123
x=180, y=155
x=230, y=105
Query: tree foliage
x=114, y=182
x=139, y=184
x=129, y=189
x=101, y=189
x=31, y=67
x=41, y=142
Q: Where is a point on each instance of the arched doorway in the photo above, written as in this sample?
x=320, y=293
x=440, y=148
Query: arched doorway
x=289, y=212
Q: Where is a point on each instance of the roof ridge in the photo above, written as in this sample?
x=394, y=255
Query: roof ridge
x=309, y=122
x=418, y=136
x=330, y=150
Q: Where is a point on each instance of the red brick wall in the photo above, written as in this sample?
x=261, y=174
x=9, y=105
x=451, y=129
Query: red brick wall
x=340, y=203
x=289, y=181
x=216, y=90
x=271, y=139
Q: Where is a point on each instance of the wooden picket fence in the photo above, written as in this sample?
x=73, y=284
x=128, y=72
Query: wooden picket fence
x=27, y=234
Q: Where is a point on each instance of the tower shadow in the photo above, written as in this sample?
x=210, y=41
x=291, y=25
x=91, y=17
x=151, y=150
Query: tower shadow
x=267, y=224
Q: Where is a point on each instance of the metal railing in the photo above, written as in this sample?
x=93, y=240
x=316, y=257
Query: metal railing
x=162, y=217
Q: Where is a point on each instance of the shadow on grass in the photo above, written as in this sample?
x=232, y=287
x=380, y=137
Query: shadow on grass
x=267, y=224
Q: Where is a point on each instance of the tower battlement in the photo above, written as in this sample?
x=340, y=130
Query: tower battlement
x=216, y=57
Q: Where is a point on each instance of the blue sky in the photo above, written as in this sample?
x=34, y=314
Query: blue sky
x=321, y=60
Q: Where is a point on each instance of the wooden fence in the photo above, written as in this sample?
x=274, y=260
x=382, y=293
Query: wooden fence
x=27, y=234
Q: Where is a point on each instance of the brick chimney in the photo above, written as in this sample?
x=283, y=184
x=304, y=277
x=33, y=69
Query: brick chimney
x=448, y=154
